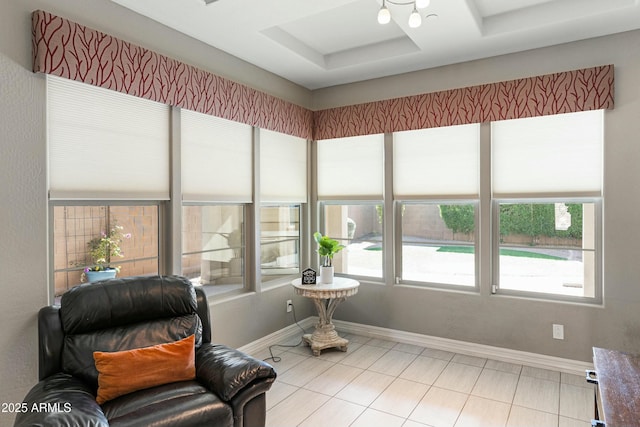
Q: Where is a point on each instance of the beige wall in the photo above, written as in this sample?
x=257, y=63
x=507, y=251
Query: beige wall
x=23, y=226
x=506, y=322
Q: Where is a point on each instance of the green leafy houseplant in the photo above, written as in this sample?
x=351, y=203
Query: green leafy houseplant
x=327, y=248
x=106, y=247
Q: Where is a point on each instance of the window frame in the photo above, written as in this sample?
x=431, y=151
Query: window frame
x=210, y=290
x=263, y=175
x=160, y=205
x=268, y=281
x=597, y=299
x=353, y=202
x=571, y=190
x=399, y=280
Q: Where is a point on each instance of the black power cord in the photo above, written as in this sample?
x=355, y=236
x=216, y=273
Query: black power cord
x=277, y=359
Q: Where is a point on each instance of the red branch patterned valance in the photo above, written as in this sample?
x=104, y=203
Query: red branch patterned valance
x=572, y=91
x=66, y=49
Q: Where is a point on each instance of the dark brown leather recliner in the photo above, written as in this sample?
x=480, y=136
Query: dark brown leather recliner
x=134, y=312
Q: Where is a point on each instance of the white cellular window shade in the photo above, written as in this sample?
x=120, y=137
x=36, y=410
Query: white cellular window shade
x=548, y=155
x=351, y=166
x=437, y=162
x=105, y=145
x=217, y=159
x=283, y=168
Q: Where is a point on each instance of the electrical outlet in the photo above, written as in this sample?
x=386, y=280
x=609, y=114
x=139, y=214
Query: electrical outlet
x=558, y=332
x=289, y=306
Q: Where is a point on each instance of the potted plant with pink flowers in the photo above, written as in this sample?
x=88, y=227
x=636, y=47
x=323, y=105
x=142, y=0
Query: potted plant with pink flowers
x=103, y=250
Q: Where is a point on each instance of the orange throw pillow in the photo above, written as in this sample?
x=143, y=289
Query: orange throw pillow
x=123, y=372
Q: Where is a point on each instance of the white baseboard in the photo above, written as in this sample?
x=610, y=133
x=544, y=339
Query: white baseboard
x=470, y=349
x=462, y=347
x=278, y=337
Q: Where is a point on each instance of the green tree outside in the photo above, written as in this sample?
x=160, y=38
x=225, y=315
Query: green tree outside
x=529, y=219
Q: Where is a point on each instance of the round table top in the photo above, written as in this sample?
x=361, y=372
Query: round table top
x=341, y=287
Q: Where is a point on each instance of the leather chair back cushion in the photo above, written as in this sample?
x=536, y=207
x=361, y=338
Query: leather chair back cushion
x=123, y=314
x=118, y=302
x=77, y=352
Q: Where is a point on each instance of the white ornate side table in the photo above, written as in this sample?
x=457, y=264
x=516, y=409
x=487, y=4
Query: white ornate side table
x=326, y=298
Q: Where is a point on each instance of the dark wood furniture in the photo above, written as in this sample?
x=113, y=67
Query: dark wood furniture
x=617, y=375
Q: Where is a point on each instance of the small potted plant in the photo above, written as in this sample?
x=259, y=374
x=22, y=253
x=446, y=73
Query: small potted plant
x=327, y=248
x=102, y=250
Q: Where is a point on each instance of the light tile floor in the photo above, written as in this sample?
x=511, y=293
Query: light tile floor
x=387, y=384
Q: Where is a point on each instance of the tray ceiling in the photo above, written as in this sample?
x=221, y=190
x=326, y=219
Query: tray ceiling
x=325, y=43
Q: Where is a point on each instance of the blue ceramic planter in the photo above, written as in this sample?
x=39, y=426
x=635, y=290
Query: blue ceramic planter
x=94, y=276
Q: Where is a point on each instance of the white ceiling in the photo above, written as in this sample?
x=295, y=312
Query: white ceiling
x=321, y=43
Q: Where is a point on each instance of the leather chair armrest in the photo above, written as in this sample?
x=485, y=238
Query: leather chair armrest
x=250, y=405
x=50, y=339
x=60, y=400
x=227, y=371
x=203, y=313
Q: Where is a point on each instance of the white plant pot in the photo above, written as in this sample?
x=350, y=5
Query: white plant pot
x=326, y=275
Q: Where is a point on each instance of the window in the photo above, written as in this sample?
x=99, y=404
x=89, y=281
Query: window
x=358, y=226
x=108, y=174
x=548, y=247
x=438, y=243
x=547, y=209
x=283, y=195
x=213, y=246
x=350, y=186
x=436, y=189
x=217, y=181
x=77, y=226
x=279, y=241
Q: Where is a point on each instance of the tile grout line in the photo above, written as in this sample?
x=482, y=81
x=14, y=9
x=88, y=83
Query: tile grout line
x=468, y=394
x=346, y=385
x=397, y=376
x=513, y=398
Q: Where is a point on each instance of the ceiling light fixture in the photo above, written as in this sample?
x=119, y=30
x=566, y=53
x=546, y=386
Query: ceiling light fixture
x=384, y=16
x=415, y=20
